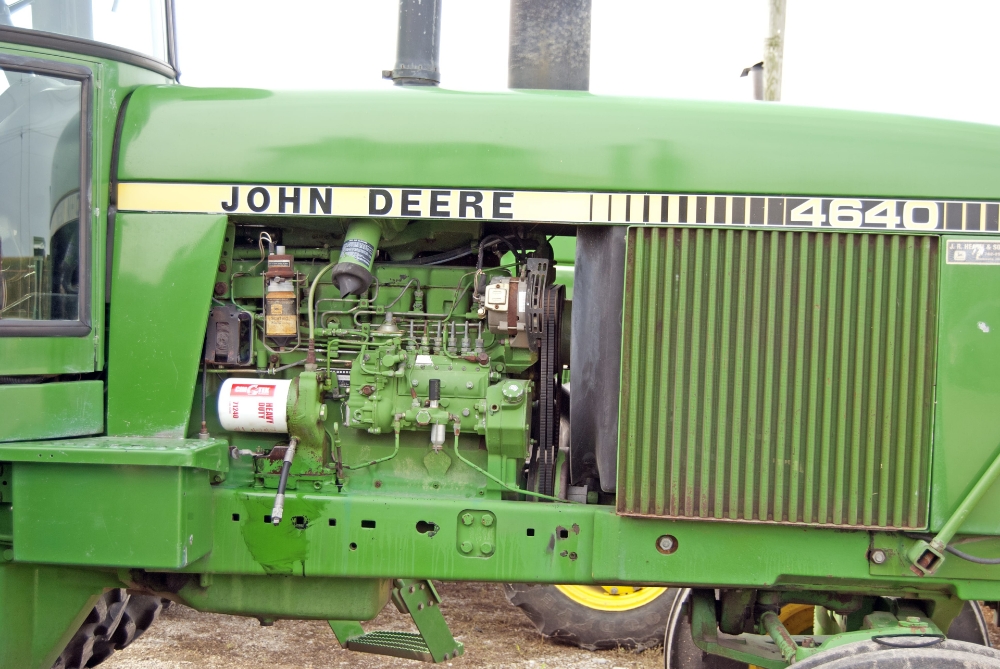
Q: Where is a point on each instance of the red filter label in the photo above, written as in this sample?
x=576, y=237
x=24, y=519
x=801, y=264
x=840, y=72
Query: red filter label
x=252, y=390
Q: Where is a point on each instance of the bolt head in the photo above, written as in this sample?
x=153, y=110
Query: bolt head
x=466, y=547
x=467, y=519
x=487, y=520
x=486, y=548
x=666, y=544
x=469, y=385
x=878, y=556
x=614, y=591
x=465, y=412
x=414, y=383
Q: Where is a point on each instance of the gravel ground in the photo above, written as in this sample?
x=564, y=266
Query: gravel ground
x=495, y=634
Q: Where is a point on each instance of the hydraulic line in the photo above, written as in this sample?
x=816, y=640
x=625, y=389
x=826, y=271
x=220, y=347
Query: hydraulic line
x=286, y=466
x=505, y=486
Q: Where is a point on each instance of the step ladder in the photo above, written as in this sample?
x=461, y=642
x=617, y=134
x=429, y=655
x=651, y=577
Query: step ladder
x=434, y=643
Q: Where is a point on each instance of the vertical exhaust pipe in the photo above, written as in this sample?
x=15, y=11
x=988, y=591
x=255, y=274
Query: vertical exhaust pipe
x=418, y=44
x=549, y=45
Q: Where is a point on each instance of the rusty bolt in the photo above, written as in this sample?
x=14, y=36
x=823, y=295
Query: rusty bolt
x=378, y=484
x=486, y=548
x=274, y=359
x=222, y=267
x=878, y=556
x=467, y=519
x=367, y=390
x=487, y=520
x=220, y=288
x=420, y=607
x=572, y=556
x=466, y=547
x=412, y=589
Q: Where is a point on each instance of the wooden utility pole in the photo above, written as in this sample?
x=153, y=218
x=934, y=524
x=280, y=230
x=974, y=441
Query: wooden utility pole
x=774, y=47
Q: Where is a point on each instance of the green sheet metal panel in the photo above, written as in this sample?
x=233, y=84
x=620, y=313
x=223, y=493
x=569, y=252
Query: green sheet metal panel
x=210, y=454
x=777, y=376
x=558, y=140
x=51, y=410
x=967, y=418
x=164, y=270
x=111, y=515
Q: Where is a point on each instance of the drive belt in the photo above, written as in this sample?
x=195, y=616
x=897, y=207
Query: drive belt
x=548, y=389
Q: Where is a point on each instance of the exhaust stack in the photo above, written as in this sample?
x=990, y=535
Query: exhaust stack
x=418, y=44
x=549, y=45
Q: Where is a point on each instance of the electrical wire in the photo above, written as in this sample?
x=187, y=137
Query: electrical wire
x=950, y=548
x=970, y=558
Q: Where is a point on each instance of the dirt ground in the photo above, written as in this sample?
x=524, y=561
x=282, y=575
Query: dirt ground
x=495, y=634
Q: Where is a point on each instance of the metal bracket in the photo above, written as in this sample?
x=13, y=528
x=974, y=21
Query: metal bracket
x=434, y=643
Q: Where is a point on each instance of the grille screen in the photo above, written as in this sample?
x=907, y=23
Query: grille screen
x=774, y=376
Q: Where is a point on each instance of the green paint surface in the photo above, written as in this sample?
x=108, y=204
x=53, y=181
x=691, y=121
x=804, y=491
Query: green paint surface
x=549, y=140
x=967, y=423
x=163, y=274
x=51, y=410
x=117, y=515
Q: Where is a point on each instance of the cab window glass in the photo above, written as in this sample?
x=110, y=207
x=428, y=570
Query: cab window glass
x=138, y=25
x=39, y=197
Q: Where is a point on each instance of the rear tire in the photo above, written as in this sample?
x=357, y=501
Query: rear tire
x=870, y=654
x=680, y=651
x=560, y=618
x=116, y=621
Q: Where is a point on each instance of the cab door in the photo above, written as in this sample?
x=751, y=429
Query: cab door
x=48, y=338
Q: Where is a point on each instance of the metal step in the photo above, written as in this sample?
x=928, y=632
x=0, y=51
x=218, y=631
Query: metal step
x=434, y=643
x=396, y=644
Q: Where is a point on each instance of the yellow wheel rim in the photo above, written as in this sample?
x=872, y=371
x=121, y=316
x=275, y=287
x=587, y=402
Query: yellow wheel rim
x=610, y=597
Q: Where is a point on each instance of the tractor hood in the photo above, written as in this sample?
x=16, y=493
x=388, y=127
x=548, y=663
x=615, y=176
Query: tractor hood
x=547, y=140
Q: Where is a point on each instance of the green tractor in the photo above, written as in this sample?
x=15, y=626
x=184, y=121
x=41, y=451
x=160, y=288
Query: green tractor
x=719, y=374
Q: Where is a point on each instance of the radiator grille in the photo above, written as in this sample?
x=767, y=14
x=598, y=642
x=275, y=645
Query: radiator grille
x=774, y=376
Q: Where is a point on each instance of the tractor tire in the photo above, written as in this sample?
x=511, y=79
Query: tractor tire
x=680, y=652
x=946, y=654
x=116, y=620
x=590, y=625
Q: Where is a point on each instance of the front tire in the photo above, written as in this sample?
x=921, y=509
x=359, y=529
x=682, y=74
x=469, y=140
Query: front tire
x=116, y=621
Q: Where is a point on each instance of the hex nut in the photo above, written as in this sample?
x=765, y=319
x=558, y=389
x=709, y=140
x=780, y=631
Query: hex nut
x=467, y=519
x=878, y=556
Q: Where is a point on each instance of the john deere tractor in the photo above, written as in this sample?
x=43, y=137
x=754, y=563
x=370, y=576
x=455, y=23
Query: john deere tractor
x=721, y=374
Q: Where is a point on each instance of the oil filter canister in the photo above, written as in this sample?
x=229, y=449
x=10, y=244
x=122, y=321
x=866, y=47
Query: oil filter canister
x=249, y=405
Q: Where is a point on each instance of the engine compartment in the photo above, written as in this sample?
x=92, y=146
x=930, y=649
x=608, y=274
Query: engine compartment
x=376, y=356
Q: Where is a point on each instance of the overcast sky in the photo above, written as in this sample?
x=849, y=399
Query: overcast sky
x=916, y=57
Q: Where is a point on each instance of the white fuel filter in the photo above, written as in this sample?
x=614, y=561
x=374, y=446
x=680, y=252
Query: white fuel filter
x=248, y=405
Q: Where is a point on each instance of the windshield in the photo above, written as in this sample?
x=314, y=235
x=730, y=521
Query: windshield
x=137, y=25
